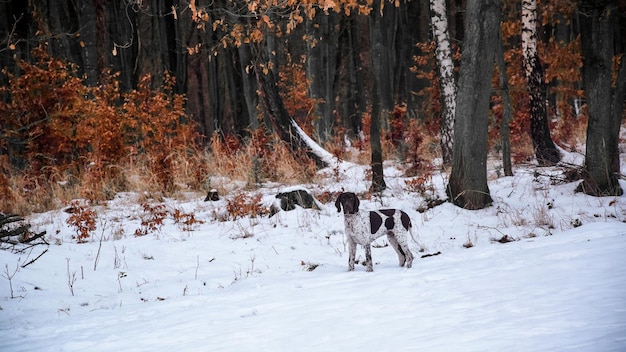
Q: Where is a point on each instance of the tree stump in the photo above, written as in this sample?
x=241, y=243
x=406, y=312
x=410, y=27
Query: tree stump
x=289, y=200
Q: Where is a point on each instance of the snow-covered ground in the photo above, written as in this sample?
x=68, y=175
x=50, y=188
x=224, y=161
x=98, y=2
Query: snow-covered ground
x=281, y=283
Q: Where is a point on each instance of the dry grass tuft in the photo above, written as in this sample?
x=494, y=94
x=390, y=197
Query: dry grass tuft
x=261, y=158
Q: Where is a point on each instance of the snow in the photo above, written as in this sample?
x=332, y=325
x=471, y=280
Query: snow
x=281, y=283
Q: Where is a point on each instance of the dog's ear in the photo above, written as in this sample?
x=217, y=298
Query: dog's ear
x=338, y=203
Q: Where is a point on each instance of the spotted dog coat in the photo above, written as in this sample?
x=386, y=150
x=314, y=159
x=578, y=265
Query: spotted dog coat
x=364, y=228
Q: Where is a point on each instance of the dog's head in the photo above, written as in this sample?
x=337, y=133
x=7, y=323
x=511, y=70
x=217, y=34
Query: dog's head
x=349, y=201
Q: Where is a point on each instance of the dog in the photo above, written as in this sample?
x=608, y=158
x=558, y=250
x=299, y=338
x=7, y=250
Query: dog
x=364, y=228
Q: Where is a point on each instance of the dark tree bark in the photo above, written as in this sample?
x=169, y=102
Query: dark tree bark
x=215, y=90
x=320, y=67
x=378, y=179
x=199, y=89
x=413, y=27
x=239, y=119
x=16, y=28
x=249, y=86
x=355, y=91
x=123, y=43
x=150, y=44
x=178, y=28
x=225, y=95
x=457, y=23
x=282, y=122
x=58, y=26
x=507, y=114
x=379, y=95
x=467, y=187
x=602, y=164
x=86, y=11
x=382, y=51
x=102, y=40
x=226, y=109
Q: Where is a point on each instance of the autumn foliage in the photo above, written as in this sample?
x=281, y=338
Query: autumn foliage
x=83, y=220
x=62, y=139
x=60, y=134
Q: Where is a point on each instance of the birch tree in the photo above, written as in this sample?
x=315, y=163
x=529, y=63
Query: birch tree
x=545, y=150
x=439, y=21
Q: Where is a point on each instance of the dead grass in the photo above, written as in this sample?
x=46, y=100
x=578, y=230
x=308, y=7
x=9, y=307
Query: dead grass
x=257, y=161
x=31, y=195
x=226, y=166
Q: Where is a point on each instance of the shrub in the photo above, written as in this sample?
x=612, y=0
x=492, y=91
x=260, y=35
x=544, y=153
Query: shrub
x=186, y=221
x=244, y=204
x=83, y=219
x=60, y=135
x=152, y=218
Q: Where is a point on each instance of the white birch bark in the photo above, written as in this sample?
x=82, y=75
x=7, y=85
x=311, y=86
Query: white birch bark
x=529, y=34
x=439, y=21
x=545, y=150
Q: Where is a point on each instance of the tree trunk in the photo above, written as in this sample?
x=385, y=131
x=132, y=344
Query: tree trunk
x=320, y=65
x=283, y=124
x=149, y=48
x=507, y=115
x=179, y=27
x=352, y=112
x=597, y=21
x=382, y=48
x=467, y=186
x=458, y=15
x=57, y=25
x=86, y=12
x=378, y=180
x=122, y=21
x=249, y=85
x=230, y=118
x=15, y=27
x=447, y=82
x=199, y=88
x=102, y=40
x=378, y=94
x=545, y=150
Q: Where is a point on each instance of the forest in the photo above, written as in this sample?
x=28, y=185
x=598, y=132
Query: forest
x=99, y=97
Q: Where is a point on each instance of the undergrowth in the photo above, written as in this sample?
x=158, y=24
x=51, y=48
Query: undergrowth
x=62, y=140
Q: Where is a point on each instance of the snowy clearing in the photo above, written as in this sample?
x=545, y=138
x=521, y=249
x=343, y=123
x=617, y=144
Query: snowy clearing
x=281, y=283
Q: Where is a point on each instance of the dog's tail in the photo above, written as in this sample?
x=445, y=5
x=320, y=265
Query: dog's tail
x=421, y=246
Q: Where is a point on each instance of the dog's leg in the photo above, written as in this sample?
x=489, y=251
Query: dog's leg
x=403, y=244
x=351, y=253
x=394, y=243
x=409, y=257
x=368, y=257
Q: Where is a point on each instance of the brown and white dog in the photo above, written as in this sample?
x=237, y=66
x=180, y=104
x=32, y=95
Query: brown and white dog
x=364, y=228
